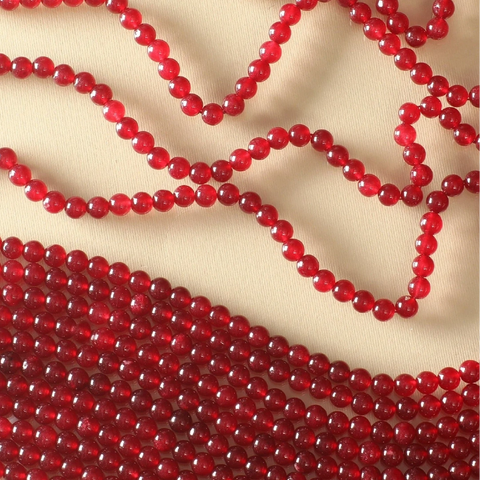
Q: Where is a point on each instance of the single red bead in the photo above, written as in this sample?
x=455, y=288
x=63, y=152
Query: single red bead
x=450, y=118
x=126, y=128
x=363, y=301
x=280, y=32
x=369, y=185
x=353, y=170
x=143, y=142
x=307, y=266
x=270, y=52
x=416, y=36
x=323, y=281
x=430, y=107
x=293, y=250
x=200, y=173
x=405, y=135
x=240, y=159
x=63, y=75
x=419, y=287
x=259, y=70
x=299, y=135
x=290, y=14
x=397, y=23
x=53, y=202
x=472, y=181
x=374, y=29
x=421, y=73
x=21, y=67
x=233, y=105
x=250, y=202
x=405, y=59
x=191, y=104
x=337, y=156
x=469, y=371
x=212, y=114
x=267, y=216
x=75, y=207
x=205, y=196
x=35, y=190
x=412, y=195
x=383, y=310
x=19, y=175
x=246, y=88
x=343, y=291
x=437, y=28
x=228, y=194
x=179, y=87
x=388, y=194
x=464, y=134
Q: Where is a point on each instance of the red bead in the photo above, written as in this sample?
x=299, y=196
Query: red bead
x=259, y=70
x=246, y=88
x=383, y=310
x=412, y=195
x=163, y=200
x=474, y=96
x=363, y=301
x=113, y=111
x=259, y=148
x=142, y=203
x=360, y=12
x=472, y=181
x=144, y=34
x=212, y=114
x=430, y=107
x=369, y=185
x=354, y=170
x=126, y=128
x=464, y=134
x=337, y=156
x=419, y=287
x=405, y=59
x=374, y=29
x=450, y=118
x=228, y=194
x=233, y=105
x=120, y=204
x=405, y=135
x=270, y=52
x=250, y=202
x=293, y=250
x=75, y=207
x=421, y=73
x=179, y=87
x=416, y=36
x=343, y=291
x=437, y=28
x=409, y=113
x=240, y=160
x=307, y=266
x=299, y=135
x=290, y=14
x=35, y=190
x=205, y=196
x=19, y=175
x=457, y=95
x=443, y=8
x=388, y=194
x=469, y=371
x=84, y=82
x=101, y=94
x=280, y=32
x=98, y=207
x=267, y=216
x=63, y=75
x=178, y=168
x=323, y=281
x=21, y=67
x=54, y=202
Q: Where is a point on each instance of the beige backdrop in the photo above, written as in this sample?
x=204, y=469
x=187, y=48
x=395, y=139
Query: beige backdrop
x=330, y=77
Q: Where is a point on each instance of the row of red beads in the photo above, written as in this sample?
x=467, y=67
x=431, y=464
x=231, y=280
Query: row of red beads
x=81, y=414
x=270, y=51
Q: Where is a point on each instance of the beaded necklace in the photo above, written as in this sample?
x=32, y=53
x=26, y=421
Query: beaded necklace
x=107, y=373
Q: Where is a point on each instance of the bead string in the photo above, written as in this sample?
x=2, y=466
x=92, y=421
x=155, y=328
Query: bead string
x=261, y=424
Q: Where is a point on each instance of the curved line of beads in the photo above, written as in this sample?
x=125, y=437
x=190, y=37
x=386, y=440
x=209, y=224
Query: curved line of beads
x=169, y=69
x=270, y=52
x=240, y=159
x=448, y=377
x=267, y=216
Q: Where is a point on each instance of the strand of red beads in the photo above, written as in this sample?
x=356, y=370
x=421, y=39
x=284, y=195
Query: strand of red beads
x=82, y=425
x=267, y=216
x=79, y=423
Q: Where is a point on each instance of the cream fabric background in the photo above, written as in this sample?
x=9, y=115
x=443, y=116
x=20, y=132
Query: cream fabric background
x=330, y=77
